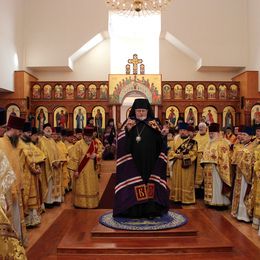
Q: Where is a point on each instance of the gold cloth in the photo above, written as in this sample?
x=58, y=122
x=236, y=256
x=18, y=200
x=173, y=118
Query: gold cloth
x=202, y=140
x=51, y=168
x=216, y=152
x=99, y=155
x=85, y=187
x=7, y=178
x=182, y=181
x=10, y=246
x=15, y=200
x=31, y=157
x=63, y=151
x=256, y=183
x=235, y=158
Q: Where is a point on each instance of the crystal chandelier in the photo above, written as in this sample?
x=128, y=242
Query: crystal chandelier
x=137, y=7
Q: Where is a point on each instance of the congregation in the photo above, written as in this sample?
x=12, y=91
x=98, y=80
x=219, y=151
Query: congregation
x=37, y=168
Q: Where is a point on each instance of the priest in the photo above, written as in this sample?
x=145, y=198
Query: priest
x=244, y=174
x=183, y=153
x=141, y=190
x=51, y=181
x=31, y=157
x=202, y=139
x=10, y=245
x=81, y=162
x=256, y=183
x=9, y=144
x=216, y=169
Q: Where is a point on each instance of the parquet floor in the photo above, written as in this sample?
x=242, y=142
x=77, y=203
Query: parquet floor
x=51, y=215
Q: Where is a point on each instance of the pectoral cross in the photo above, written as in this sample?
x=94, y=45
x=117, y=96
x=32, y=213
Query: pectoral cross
x=135, y=61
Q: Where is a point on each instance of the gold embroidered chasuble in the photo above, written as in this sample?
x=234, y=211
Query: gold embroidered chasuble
x=68, y=144
x=236, y=154
x=10, y=246
x=71, y=173
x=85, y=187
x=99, y=155
x=7, y=178
x=235, y=158
x=182, y=181
x=63, y=151
x=246, y=161
x=216, y=153
x=12, y=154
x=170, y=143
x=51, y=168
x=15, y=195
x=256, y=182
x=202, y=140
x=247, y=168
x=242, y=158
x=31, y=157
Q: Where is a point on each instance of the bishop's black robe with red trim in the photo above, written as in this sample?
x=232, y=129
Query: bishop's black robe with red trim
x=141, y=185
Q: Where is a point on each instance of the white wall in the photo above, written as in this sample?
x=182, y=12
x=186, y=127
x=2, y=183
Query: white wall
x=254, y=36
x=11, y=41
x=94, y=65
x=134, y=35
x=55, y=29
x=175, y=65
x=224, y=34
x=214, y=30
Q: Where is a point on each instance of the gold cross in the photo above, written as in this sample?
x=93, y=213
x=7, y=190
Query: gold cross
x=135, y=61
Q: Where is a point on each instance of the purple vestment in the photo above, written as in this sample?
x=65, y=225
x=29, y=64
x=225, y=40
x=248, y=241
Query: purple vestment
x=130, y=188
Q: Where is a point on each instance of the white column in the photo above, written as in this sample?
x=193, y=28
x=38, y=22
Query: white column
x=156, y=111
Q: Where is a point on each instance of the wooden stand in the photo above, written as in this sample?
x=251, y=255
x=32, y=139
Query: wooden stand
x=76, y=234
x=197, y=236
x=100, y=231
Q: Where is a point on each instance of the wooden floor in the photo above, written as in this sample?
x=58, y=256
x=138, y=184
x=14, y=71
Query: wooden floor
x=65, y=217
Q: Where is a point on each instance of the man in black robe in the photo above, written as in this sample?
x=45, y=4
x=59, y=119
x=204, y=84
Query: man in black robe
x=141, y=187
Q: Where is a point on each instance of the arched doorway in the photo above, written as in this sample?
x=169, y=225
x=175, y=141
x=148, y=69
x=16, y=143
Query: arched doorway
x=127, y=103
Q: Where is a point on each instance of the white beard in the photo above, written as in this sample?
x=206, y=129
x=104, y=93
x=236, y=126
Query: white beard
x=141, y=118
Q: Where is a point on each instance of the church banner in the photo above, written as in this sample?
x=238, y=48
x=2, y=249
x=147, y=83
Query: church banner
x=148, y=85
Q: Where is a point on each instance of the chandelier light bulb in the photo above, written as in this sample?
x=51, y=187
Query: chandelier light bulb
x=137, y=7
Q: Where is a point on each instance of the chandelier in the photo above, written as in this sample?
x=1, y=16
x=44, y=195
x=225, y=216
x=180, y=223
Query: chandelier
x=137, y=7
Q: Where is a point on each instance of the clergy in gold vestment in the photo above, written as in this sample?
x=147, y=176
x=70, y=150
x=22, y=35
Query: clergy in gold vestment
x=229, y=135
x=170, y=142
x=256, y=183
x=31, y=157
x=183, y=153
x=235, y=151
x=7, y=178
x=69, y=141
x=216, y=169
x=202, y=138
x=51, y=181
x=9, y=144
x=63, y=152
x=10, y=246
x=100, y=149
x=85, y=187
x=244, y=171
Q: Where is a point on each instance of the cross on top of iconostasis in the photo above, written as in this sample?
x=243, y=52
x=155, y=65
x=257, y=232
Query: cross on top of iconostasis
x=135, y=61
